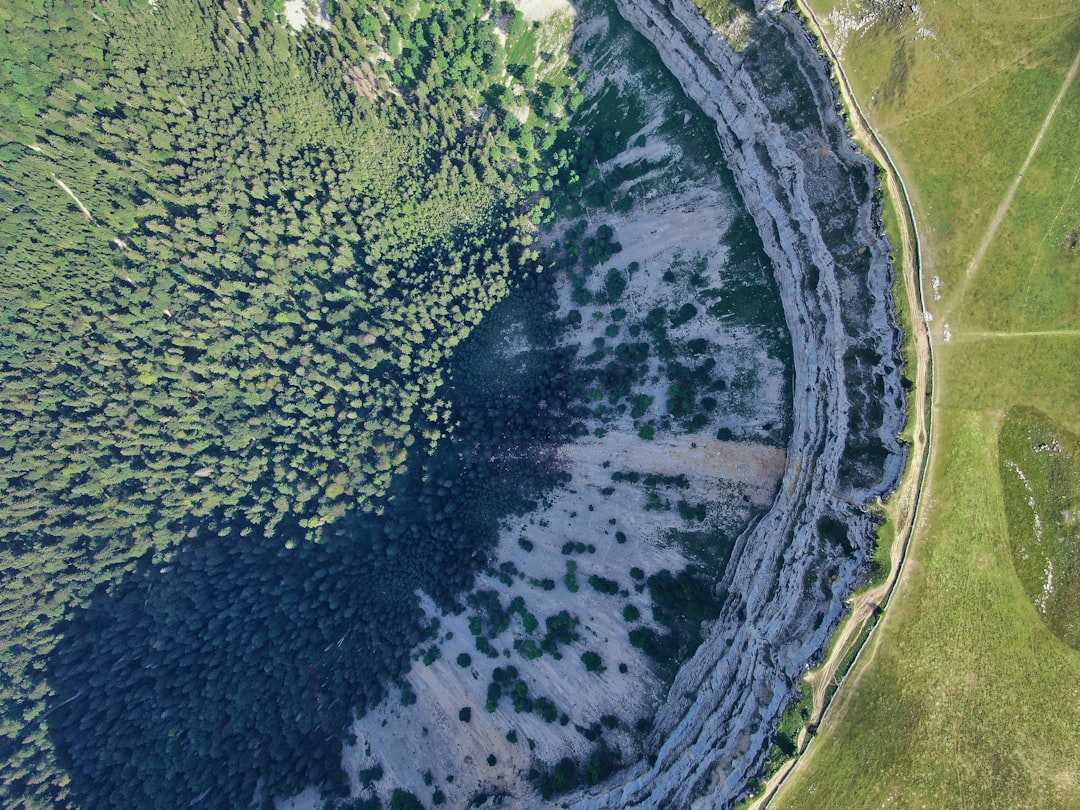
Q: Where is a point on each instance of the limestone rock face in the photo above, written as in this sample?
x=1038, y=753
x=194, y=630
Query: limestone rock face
x=813, y=198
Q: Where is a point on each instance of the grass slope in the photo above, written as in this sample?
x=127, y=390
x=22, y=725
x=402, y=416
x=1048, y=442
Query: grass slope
x=1043, y=513
x=965, y=696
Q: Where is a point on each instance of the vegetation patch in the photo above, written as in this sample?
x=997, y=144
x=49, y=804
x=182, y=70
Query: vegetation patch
x=567, y=774
x=299, y=360
x=786, y=738
x=1040, y=479
x=280, y=244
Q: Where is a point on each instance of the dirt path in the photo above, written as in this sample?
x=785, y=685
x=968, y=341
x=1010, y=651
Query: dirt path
x=903, y=508
x=1019, y=60
x=71, y=194
x=905, y=502
x=1007, y=200
x=1066, y=333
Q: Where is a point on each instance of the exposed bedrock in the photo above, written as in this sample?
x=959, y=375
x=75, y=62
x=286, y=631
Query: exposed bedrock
x=813, y=197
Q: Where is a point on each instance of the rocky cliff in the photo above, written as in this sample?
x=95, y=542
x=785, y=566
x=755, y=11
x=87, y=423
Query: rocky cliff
x=813, y=198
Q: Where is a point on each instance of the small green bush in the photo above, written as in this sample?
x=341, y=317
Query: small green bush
x=592, y=662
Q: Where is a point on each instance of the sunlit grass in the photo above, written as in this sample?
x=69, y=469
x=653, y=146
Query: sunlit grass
x=962, y=121
x=964, y=697
x=994, y=374
x=1030, y=263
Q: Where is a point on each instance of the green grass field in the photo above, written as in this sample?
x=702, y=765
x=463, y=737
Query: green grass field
x=1044, y=515
x=969, y=693
x=967, y=698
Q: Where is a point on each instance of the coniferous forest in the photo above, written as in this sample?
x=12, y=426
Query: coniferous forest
x=237, y=263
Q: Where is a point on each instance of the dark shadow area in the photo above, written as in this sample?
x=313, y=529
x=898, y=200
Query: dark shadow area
x=233, y=672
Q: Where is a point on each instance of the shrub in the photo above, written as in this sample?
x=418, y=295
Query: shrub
x=685, y=313
x=546, y=709
x=688, y=512
x=571, y=577
x=494, y=694
x=592, y=662
x=402, y=800
x=603, y=585
x=369, y=776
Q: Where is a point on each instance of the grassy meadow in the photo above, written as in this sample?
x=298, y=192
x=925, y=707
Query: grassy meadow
x=969, y=693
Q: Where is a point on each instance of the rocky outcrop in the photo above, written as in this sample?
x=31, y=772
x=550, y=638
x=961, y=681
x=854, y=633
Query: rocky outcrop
x=813, y=198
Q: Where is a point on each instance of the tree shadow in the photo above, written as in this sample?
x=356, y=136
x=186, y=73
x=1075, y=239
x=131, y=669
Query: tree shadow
x=231, y=674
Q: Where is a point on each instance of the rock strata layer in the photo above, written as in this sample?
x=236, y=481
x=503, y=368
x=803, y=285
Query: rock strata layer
x=813, y=198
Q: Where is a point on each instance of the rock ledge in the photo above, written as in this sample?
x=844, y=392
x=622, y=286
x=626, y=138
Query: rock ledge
x=813, y=198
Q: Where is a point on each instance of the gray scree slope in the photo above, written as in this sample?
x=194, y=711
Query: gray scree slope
x=813, y=198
